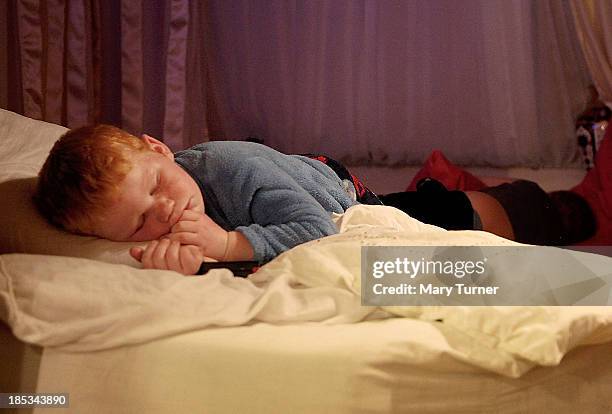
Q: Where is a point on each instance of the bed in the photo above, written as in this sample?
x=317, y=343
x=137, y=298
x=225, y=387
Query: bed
x=80, y=317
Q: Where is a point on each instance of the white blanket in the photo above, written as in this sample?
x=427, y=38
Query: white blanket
x=85, y=305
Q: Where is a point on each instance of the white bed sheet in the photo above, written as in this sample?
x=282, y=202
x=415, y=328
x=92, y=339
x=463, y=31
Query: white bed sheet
x=387, y=366
x=84, y=305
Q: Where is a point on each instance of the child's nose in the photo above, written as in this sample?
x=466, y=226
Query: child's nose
x=164, y=209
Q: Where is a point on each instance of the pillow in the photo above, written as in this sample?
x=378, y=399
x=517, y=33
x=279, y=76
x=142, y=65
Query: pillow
x=24, y=230
x=441, y=169
x=24, y=146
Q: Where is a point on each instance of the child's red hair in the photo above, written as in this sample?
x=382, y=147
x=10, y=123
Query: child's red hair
x=81, y=175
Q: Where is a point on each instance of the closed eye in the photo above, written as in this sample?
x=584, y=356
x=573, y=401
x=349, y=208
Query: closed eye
x=156, y=184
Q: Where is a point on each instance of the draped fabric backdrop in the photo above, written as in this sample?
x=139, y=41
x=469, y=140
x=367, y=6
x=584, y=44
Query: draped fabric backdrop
x=490, y=82
x=594, y=27
x=124, y=63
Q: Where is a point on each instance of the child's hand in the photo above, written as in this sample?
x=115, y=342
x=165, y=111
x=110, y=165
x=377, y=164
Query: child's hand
x=199, y=230
x=169, y=255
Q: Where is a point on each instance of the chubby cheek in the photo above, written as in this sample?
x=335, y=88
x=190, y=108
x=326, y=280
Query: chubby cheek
x=198, y=199
x=189, y=188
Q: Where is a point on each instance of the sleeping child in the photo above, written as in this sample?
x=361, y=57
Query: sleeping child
x=226, y=200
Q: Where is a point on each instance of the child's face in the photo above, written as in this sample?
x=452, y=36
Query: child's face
x=151, y=199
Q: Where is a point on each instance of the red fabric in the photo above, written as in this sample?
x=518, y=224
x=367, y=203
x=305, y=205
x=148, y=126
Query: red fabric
x=596, y=188
x=441, y=169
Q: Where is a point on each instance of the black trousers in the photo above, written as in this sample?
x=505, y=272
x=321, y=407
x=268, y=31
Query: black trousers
x=450, y=210
x=532, y=212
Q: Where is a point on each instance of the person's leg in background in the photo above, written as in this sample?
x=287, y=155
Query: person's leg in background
x=520, y=211
x=433, y=204
x=493, y=216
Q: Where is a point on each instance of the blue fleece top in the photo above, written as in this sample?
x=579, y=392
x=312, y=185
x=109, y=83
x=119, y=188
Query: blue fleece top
x=277, y=201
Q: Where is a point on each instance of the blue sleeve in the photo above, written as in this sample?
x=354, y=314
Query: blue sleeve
x=284, y=214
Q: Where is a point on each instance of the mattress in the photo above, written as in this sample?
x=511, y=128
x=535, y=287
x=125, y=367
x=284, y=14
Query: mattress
x=20, y=365
x=387, y=366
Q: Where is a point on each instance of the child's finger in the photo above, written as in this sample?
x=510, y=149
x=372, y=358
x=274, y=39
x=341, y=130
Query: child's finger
x=190, y=215
x=136, y=253
x=159, y=255
x=189, y=226
x=185, y=237
x=146, y=258
x=172, y=257
x=191, y=259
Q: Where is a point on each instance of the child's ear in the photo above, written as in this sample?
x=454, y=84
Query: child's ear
x=157, y=146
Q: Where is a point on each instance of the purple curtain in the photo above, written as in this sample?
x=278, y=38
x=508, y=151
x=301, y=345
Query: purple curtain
x=490, y=82
x=593, y=21
x=123, y=63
